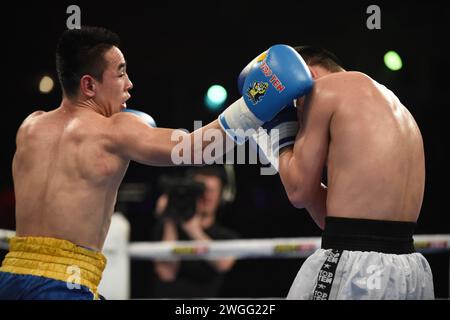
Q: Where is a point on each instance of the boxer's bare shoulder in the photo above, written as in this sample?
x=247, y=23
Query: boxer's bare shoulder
x=37, y=113
x=346, y=91
x=28, y=121
x=338, y=81
x=33, y=116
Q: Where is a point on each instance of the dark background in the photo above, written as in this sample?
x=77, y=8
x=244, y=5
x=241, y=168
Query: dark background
x=176, y=50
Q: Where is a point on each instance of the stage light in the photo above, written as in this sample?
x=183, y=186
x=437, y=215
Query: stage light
x=46, y=84
x=215, y=97
x=393, y=61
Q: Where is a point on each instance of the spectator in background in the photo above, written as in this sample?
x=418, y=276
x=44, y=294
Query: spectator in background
x=193, y=278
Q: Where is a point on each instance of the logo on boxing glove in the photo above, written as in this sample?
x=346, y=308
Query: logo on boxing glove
x=256, y=91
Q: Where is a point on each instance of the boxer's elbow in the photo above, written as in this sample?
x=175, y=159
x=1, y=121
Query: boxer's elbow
x=300, y=188
x=299, y=196
x=296, y=201
x=321, y=223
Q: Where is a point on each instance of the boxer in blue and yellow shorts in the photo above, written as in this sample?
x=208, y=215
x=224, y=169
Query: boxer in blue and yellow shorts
x=70, y=161
x=48, y=268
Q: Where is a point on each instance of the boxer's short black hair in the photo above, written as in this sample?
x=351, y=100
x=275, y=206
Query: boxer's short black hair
x=319, y=56
x=80, y=52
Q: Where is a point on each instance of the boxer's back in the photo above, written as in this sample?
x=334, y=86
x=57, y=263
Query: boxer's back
x=376, y=164
x=65, y=178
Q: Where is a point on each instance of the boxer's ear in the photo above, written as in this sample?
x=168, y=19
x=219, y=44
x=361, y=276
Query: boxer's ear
x=313, y=71
x=87, y=86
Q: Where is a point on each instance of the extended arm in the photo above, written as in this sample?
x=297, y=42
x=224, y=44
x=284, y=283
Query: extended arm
x=134, y=139
x=270, y=85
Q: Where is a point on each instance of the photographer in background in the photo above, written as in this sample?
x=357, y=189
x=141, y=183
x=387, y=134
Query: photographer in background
x=187, y=210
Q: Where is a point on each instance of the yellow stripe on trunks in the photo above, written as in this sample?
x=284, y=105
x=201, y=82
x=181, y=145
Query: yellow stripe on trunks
x=55, y=259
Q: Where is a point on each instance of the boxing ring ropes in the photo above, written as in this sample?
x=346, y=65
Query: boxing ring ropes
x=247, y=248
x=244, y=249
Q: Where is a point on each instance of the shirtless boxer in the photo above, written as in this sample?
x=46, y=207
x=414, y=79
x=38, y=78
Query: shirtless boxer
x=70, y=161
x=373, y=151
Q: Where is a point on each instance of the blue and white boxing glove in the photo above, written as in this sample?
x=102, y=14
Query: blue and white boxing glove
x=273, y=81
x=276, y=134
x=286, y=124
x=145, y=117
x=243, y=75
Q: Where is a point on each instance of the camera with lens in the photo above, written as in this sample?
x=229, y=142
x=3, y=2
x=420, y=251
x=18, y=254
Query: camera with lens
x=182, y=194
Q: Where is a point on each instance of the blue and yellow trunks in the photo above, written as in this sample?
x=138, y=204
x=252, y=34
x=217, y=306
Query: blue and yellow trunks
x=48, y=268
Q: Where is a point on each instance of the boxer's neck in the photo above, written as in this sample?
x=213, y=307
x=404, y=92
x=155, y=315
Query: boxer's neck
x=84, y=103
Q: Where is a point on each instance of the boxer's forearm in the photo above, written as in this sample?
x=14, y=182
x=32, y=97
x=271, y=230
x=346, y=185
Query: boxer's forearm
x=317, y=208
x=292, y=177
x=301, y=192
x=210, y=137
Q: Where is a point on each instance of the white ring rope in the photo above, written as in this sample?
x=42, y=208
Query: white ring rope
x=257, y=248
x=4, y=236
x=248, y=248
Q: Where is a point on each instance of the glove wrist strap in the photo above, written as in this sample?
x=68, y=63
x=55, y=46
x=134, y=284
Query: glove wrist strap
x=237, y=119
